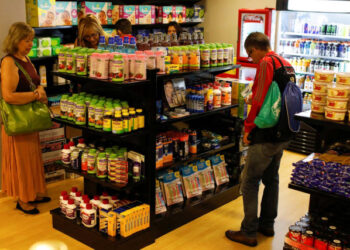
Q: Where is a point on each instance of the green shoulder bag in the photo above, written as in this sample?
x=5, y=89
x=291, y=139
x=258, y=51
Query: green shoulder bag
x=26, y=118
x=269, y=113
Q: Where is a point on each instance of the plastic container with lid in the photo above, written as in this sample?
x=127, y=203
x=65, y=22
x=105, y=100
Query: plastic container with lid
x=338, y=91
x=140, y=67
x=320, y=87
x=96, y=202
x=117, y=124
x=64, y=204
x=226, y=95
x=71, y=210
x=78, y=199
x=104, y=196
x=343, y=78
x=99, y=111
x=324, y=76
x=73, y=192
x=318, y=107
x=160, y=61
x=213, y=55
x=63, y=106
x=92, y=161
x=81, y=62
x=117, y=68
x=319, y=97
x=337, y=103
x=65, y=155
x=80, y=112
x=220, y=54
x=101, y=166
x=335, y=114
x=83, y=204
x=102, y=66
x=63, y=193
x=89, y=216
x=216, y=97
x=141, y=118
x=205, y=56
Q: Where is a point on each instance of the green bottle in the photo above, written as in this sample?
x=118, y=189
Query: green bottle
x=101, y=166
x=91, y=112
x=63, y=106
x=80, y=112
x=91, y=161
x=99, y=110
x=220, y=54
x=226, y=53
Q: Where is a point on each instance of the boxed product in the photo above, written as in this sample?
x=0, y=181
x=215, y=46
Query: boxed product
x=41, y=13
x=115, y=13
x=66, y=13
x=44, y=42
x=44, y=52
x=129, y=12
x=101, y=10
x=49, y=157
x=147, y=14
x=159, y=14
x=180, y=14
x=168, y=14
x=51, y=134
x=198, y=15
x=52, y=146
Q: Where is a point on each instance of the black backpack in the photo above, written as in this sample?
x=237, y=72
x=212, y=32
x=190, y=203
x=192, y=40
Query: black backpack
x=282, y=131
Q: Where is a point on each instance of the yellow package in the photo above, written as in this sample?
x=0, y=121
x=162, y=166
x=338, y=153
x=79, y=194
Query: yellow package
x=112, y=223
x=172, y=68
x=41, y=13
x=146, y=216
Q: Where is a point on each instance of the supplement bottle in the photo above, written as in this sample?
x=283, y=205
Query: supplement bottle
x=101, y=166
x=220, y=54
x=117, y=68
x=62, y=59
x=71, y=210
x=83, y=204
x=89, y=216
x=72, y=194
x=126, y=121
x=213, y=55
x=134, y=120
x=96, y=203
x=63, y=193
x=63, y=107
x=217, y=97
x=78, y=199
x=107, y=117
x=81, y=62
x=65, y=155
x=80, y=112
x=226, y=95
x=99, y=115
x=91, y=161
x=140, y=67
x=64, y=204
x=141, y=118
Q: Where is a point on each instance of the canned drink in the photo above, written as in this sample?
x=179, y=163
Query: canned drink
x=295, y=233
x=307, y=238
x=335, y=245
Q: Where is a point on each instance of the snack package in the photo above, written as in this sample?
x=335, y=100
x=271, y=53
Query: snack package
x=172, y=188
x=66, y=13
x=180, y=14
x=130, y=12
x=147, y=14
x=191, y=181
x=219, y=167
x=41, y=13
x=160, y=203
x=101, y=10
x=205, y=175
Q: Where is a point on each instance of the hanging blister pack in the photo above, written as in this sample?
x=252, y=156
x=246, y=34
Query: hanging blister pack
x=219, y=167
x=160, y=203
x=205, y=175
x=172, y=188
x=190, y=181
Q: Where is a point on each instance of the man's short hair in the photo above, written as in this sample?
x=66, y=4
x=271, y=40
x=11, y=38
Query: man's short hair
x=124, y=25
x=257, y=40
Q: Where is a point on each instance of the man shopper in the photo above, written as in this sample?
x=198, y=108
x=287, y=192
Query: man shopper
x=265, y=147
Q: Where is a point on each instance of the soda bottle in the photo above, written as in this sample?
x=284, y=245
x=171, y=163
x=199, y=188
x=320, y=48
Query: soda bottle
x=296, y=47
x=322, y=49
x=312, y=47
x=302, y=47
x=307, y=47
x=328, y=50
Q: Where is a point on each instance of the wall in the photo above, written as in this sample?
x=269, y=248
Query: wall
x=221, y=18
x=10, y=11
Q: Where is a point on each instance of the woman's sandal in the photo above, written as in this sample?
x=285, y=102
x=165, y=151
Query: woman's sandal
x=31, y=211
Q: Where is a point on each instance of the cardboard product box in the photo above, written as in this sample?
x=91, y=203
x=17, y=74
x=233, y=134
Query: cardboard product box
x=159, y=14
x=52, y=146
x=44, y=52
x=50, y=157
x=41, y=13
x=130, y=12
x=66, y=13
x=101, y=10
x=169, y=14
x=115, y=13
x=147, y=14
x=51, y=134
x=180, y=13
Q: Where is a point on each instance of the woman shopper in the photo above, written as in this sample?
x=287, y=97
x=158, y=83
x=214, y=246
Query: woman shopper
x=89, y=32
x=174, y=28
x=22, y=166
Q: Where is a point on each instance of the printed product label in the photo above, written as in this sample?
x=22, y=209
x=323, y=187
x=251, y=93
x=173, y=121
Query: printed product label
x=91, y=115
x=88, y=219
x=84, y=162
x=151, y=62
x=107, y=124
x=80, y=113
x=117, y=127
x=220, y=56
x=70, y=110
x=140, y=70
x=99, y=117
x=70, y=63
x=126, y=125
x=81, y=64
x=71, y=213
x=213, y=57
x=102, y=167
x=117, y=68
x=141, y=121
x=91, y=163
x=225, y=56
x=61, y=61
x=205, y=58
x=63, y=106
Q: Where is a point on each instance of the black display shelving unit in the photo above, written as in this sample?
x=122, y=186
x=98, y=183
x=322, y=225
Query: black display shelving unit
x=144, y=94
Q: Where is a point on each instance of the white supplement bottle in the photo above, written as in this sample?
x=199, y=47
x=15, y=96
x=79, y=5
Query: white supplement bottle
x=71, y=210
x=96, y=202
x=72, y=194
x=83, y=205
x=78, y=199
x=105, y=196
x=65, y=155
x=113, y=200
x=217, y=97
x=64, y=204
x=63, y=193
x=89, y=216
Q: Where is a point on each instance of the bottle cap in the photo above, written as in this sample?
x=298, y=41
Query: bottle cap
x=78, y=194
x=96, y=197
x=81, y=140
x=71, y=143
x=66, y=146
x=74, y=189
x=63, y=193
x=86, y=201
x=65, y=197
x=88, y=206
x=114, y=197
x=105, y=201
x=70, y=201
x=104, y=194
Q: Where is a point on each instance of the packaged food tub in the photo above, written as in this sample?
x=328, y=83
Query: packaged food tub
x=338, y=91
x=324, y=76
x=337, y=103
x=343, y=78
x=335, y=114
x=319, y=97
x=317, y=107
x=320, y=87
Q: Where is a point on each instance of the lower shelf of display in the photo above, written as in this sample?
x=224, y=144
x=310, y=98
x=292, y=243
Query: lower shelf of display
x=195, y=203
x=197, y=156
x=105, y=182
x=313, y=191
x=96, y=239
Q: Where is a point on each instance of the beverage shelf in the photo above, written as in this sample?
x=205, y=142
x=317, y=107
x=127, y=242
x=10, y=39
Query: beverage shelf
x=316, y=36
x=102, y=83
x=319, y=120
x=100, y=132
x=96, y=239
x=198, y=156
x=202, y=70
x=105, y=182
x=154, y=26
x=317, y=57
x=197, y=115
x=305, y=73
x=317, y=192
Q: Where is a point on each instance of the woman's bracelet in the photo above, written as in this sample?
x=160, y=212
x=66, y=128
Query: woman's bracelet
x=36, y=95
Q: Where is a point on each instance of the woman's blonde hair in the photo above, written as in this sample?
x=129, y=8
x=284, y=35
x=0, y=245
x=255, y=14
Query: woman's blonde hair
x=17, y=32
x=88, y=21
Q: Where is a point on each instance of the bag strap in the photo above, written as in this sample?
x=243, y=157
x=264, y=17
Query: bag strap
x=25, y=73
